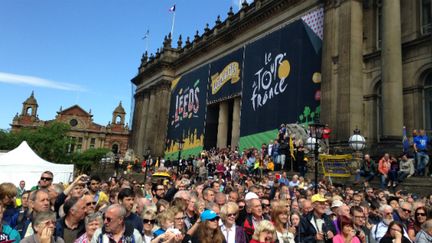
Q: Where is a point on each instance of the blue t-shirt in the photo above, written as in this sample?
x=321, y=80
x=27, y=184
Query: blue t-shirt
x=421, y=142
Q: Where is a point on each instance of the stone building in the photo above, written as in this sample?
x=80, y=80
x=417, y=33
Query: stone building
x=376, y=68
x=84, y=133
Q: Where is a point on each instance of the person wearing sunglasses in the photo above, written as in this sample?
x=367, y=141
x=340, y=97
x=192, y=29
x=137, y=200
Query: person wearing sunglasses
x=149, y=220
x=403, y=214
x=208, y=229
x=92, y=222
x=45, y=181
x=420, y=218
x=232, y=232
x=44, y=228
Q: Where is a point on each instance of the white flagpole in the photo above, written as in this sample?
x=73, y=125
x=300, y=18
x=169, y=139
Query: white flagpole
x=172, y=25
x=146, y=37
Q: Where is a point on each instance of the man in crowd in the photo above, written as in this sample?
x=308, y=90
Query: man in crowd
x=359, y=223
x=38, y=202
x=115, y=228
x=71, y=226
x=45, y=181
x=126, y=198
x=254, y=216
x=21, y=189
x=316, y=226
x=420, y=148
x=367, y=170
x=94, y=190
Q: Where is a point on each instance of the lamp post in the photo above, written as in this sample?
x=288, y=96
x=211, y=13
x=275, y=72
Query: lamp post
x=315, y=134
x=357, y=143
x=147, y=158
x=180, y=147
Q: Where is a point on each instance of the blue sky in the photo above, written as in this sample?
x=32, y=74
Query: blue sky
x=86, y=52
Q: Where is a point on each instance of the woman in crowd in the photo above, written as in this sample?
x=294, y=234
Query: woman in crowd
x=347, y=232
x=166, y=220
x=8, y=193
x=232, y=232
x=44, y=227
x=92, y=223
x=394, y=234
x=280, y=219
x=420, y=217
x=265, y=232
x=149, y=220
x=208, y=231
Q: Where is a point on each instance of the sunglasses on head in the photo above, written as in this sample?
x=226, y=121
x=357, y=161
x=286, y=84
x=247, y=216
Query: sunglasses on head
x=46, y=179
x=149, y=221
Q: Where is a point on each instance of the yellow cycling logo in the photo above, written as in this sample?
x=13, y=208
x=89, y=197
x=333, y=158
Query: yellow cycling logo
x=230, y=72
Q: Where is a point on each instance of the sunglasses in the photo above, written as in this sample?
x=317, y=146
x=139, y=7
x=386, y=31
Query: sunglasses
x=108, y=219
x=406, y=210
x=149, y=221
x=181, y=218
x=420, y=214
x=232, y=215
x=265, y=205
x=46, y=179
x=91, y=203
x=214, y=219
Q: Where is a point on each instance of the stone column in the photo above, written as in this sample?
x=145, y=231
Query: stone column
x=222, y=125
x=164, y=98
x=149, y=128
x=391, y=68
x=142, y=121
x=235, y=134
x=342, y=66
x=136, y=122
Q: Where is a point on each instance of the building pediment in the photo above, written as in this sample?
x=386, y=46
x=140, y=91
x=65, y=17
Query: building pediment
x=75, y=110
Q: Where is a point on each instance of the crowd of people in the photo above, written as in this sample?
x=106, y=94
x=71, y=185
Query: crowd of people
x=222, y=196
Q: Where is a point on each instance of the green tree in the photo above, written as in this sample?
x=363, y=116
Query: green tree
x=49, y=142
x=306, y=113
x=90, y=158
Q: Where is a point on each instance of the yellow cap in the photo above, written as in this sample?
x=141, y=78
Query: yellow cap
x=318, y=198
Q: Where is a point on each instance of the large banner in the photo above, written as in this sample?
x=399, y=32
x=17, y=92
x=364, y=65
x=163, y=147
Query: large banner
x=187, y=113
x=282, y=75
x=225, y=77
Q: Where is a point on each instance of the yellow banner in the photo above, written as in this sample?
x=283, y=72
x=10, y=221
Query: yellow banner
x=336, y=165
x=230, y=72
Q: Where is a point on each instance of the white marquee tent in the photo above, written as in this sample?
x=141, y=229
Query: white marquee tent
x=23, y=163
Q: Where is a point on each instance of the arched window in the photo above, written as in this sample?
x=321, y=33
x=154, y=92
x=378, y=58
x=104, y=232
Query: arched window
x=29, y=111
x=115, y=148
x=118, y=119
x=428, y=101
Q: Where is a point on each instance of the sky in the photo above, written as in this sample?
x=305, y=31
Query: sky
x=85, y=52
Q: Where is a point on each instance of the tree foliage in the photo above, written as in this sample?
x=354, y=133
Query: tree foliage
x=49, y=142
x=90, y=158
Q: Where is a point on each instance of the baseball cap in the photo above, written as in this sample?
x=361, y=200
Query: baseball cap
x=318, y=198
x=336, y=204
x=208, y=215
x=251, y=195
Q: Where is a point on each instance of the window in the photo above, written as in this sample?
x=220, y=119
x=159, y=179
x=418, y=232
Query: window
x=73, y=122
x=378, y=24
x=428, y=101
x=92, y=142
x=426, y=16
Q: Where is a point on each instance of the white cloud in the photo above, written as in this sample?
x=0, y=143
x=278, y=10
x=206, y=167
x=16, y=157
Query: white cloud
x=11, y=78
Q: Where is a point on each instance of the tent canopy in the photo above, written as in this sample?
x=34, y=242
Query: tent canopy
x=23, y=163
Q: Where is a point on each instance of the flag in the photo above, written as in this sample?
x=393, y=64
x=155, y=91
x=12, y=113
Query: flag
x=405, y=141
x=172, y=9
x=146, y=35
x=291, y=146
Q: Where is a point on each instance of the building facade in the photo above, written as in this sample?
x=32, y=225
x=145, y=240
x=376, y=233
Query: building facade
x=376, y=69
x=84, y=133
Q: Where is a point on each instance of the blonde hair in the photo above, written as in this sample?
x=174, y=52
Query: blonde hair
x=167, y=215
x=7, y=189
x=276, y=211
x=228, y=208
x=264, y=226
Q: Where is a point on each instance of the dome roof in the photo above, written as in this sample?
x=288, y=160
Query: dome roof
x=31, y=100
x=119, y=109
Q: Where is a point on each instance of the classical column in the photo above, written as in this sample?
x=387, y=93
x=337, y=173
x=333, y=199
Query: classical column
x=150, y=124
x=142, y=125
x=136, y=122
x=222, y=125
x=164, y=98
x=235, y=134
x=391, y=68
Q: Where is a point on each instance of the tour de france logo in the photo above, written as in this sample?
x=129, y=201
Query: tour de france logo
x=230, y=72
x=270, y=79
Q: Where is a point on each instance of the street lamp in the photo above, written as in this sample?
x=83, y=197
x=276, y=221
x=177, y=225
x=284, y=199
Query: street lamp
x=357, y=142
x=315, y=134
x=180, y=147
